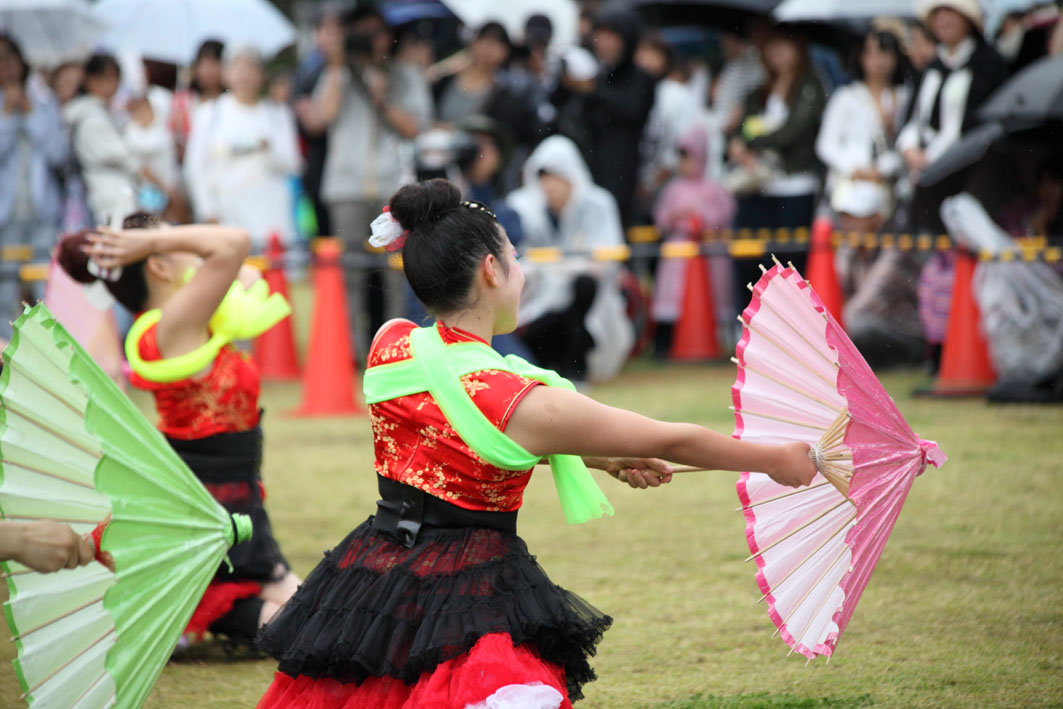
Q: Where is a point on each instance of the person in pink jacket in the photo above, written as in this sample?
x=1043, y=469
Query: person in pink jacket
x=688, y=206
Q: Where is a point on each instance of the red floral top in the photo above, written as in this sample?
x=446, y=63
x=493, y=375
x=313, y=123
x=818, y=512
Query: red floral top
x=224, y=400
x=415, y=444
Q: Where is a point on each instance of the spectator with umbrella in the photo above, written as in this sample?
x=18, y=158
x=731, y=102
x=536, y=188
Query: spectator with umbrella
x=572, y=314
x=616, y=106
x=372, y=107
x=774, y=151
x=206, y=85
x=921, y=47
x=328, y=30
x=107, y=165
x=241, y=152
x=742, y=73
x=33, y=147
x=862, y=118
x=966, y=71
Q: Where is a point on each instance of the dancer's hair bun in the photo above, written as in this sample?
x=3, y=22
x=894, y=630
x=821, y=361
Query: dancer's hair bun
x=424, y=202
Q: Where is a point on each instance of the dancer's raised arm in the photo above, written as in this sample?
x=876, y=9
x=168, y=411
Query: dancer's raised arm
x=215, y=253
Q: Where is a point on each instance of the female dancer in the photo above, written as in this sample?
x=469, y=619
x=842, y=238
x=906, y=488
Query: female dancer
x=435, y=601
x=180, y=282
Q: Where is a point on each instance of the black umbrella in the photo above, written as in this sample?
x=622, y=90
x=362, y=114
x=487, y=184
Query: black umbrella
x=992, y=162
x=968, y=150
x=1033, y=95
x=1029, y=100
x=730, y=15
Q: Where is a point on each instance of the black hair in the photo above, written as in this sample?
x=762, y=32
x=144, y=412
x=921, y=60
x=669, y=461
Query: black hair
x=1051, y=167
x=209, y=49
x=446, y=243
x=494, y=31
x=887, y=42
x=17, y=51
x=131, y=288
x=361, y=12
x=101, y=63
x=538, y=31
x=658, y=44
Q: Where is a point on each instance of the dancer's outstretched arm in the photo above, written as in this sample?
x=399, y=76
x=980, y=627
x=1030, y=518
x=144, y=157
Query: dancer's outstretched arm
x=554, y=420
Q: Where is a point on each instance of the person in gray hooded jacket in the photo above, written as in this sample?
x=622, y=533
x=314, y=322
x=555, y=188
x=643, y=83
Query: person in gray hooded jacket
x=572, y=313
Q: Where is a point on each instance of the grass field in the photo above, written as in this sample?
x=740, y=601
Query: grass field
x=962, y=610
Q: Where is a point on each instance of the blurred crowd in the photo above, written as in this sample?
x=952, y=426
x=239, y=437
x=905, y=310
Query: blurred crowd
x=758, y=126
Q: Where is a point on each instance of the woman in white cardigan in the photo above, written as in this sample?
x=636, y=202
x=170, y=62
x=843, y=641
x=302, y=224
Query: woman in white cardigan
x=861, y=120
x=108, y=167
x=241, y=152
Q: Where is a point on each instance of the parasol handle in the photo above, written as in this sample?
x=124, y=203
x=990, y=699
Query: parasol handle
x=815, y=454
x=242, y=528
x=95, y=538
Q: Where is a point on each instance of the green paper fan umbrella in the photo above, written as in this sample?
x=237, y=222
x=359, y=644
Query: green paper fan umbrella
x=74, y=449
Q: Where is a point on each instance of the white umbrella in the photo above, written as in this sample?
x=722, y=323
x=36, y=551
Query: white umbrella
x=827, y=10
x=512, y=14
x=51, y=32
x=172, y=30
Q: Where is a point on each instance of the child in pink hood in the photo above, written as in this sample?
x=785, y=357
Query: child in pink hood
x=688, y=206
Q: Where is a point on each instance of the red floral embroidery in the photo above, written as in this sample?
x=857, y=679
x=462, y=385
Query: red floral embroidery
x=415, y=444
x=224, y=400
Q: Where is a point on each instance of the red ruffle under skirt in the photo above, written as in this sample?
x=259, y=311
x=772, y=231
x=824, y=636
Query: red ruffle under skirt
x=490, y=665
x=216, y=603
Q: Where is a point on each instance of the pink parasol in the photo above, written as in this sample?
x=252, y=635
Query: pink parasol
x=800, y=378
x=85, y=312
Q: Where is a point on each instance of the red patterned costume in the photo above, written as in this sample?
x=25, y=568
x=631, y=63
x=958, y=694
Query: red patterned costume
x=212, y=421
x=442, y=607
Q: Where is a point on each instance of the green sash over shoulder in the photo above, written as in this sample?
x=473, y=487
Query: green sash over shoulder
x=437, y=368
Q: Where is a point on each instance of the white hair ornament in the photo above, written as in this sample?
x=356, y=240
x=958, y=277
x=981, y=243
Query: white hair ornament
x=387, y=232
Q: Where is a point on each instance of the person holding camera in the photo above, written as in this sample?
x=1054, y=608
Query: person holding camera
x=372, y=107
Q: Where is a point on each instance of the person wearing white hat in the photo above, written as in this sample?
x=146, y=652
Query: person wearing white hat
x=966, y=71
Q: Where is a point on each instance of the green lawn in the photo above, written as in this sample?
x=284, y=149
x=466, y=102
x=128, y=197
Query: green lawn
x=962, y=610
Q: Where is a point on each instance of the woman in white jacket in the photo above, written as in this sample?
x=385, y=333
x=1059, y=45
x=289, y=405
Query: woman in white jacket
x=572, y=312
x=241, y=153
x=107, y=166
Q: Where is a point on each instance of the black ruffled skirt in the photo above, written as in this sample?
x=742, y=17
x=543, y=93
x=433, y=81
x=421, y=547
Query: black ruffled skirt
x=228, y=464
x=418, y=584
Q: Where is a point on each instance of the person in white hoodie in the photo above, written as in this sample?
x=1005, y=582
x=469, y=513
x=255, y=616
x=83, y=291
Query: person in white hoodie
x=107, y=166
x=572, y=313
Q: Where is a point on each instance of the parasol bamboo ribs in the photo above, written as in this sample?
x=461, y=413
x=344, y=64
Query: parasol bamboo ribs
x=778, y=541
x=768, y=306
x=782, y=496
x=782, y=348
x=811, y=588
x=826, y=541
x=799, y=392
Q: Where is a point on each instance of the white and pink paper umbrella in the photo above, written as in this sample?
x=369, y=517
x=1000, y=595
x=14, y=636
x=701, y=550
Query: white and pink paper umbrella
x=800, y=378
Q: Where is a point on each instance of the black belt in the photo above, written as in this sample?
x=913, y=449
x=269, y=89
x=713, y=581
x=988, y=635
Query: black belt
x=405, y=509
x=223, y=457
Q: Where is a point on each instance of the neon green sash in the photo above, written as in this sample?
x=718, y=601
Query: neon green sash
x=242, y=314
x=437, y=368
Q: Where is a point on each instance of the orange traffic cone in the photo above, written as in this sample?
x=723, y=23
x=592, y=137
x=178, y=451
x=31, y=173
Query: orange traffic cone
x=274, y=350
x=820, y=270
x=328, y=378
x=694, y=338
x=965, y=366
